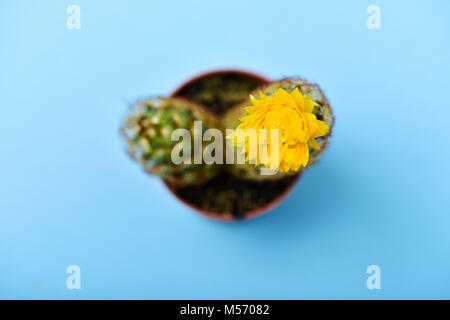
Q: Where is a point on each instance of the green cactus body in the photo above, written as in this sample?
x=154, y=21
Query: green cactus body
x=148, y=129
x=322, y=112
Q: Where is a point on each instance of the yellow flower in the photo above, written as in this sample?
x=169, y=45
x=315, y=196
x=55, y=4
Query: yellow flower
x=298, y=128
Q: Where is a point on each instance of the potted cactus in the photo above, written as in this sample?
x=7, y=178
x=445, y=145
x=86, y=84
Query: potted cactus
x=148, y=129
x=221, y=99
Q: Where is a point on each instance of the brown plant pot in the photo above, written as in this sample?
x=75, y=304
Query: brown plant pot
x=186, y=91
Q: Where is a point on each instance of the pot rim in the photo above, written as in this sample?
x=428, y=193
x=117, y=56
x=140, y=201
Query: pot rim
x=227, y=217
x=200, y=75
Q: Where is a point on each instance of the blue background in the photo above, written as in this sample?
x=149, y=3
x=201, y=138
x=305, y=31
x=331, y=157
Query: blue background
x=69, y=194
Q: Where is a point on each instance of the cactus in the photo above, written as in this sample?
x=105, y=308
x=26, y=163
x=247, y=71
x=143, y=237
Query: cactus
x=148, y=129
x=322, y=112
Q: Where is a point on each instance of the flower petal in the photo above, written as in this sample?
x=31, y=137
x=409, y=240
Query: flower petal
x=313, y=144
x=298, y=97
x=309, y=104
